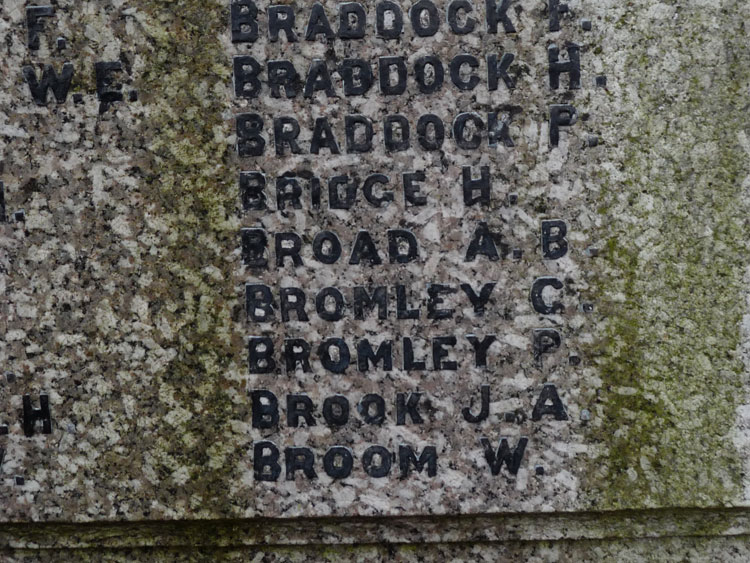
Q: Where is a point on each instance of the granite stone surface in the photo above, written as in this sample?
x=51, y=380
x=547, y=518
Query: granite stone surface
x=234, y=289
x=700, y=551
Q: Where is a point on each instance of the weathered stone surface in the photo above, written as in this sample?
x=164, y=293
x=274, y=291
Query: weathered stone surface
x=123, y=299
x=690, y=549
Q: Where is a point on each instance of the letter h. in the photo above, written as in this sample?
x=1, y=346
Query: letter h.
x=572, y=66
x=31, y=415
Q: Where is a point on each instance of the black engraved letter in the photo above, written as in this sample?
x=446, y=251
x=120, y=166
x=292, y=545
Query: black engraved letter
x=340, y=362
x=545, y=340
x=483, y=242
x=375, y=200
x=281, y=18
x=478, y=301
x=366, y=355
x=430, y=142
x=366, y=302
x=408, y=405
x=555, y=408
x=498, y=13
x=296, y=352
x=537, y=300
x=384, y=71
x=427, y=26
x=456, y=64
x=254, y=244
x=358, y=143
x=459, y=126
x=352, y=20
x=50, y=81
x=336, y=410
x=318, y=23
x=402, y=246
x=244, y=15
x=437, y=74
x=392, y=31
x=554, y=243
x=393, y=142
x=34, y=15
x=480, y=348
x=497, y=70
x=410, y=364
x=326, y=247
x=293, y=299
x=299, y=406
x=318, y=78
x=456, y=27
x=481, y=185
x=484, y=411
x=407, y=458
x=288, y=245
x=250, y=141
x=260, y=355
x=106, y=89
x=31, y=415
x=266, y=465
x=560, y=116
x=365, y=410
x=503, y=455
x=323, y=137
x=439, y=352
x=338, y=462
x=282, y=74
x=359, y=82
x=321, y=304
x=364, y=249
x=285, y=132
x=299, y=458
x=258, y=302
x=252, y=191
x=572, y=66
x=265, y=409
x=384, y=464
x=555, y=9
x=337, y=200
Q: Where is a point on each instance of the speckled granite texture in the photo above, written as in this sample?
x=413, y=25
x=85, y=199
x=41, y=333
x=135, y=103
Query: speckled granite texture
x=124, y=260
x=732, y=550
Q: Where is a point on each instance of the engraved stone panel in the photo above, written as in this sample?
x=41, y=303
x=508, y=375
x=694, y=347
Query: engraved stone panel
x=357, y=259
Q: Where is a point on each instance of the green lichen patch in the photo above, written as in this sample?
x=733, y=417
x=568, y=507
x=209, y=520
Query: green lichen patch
x=188, y=184
x=672, y=289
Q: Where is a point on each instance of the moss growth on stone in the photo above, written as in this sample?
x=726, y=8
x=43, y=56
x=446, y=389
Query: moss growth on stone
x=189, y=181
x=672, y=286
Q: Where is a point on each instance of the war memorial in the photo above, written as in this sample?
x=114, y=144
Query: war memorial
x=390, y=280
